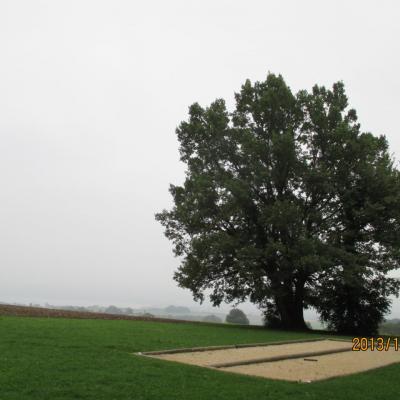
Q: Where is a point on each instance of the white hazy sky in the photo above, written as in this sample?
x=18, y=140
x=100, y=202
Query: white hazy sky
x=91, y=93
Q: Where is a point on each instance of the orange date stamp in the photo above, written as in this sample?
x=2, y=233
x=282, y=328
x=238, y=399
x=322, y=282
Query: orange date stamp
x=375, y=344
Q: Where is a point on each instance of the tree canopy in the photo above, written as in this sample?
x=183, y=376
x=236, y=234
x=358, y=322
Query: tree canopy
x=288, y=204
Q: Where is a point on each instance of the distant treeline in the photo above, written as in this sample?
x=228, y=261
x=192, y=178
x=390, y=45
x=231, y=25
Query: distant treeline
x=390, y=327
x=173, y=312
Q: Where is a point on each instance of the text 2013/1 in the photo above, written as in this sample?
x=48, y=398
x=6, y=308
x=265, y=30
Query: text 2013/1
x=372, y=344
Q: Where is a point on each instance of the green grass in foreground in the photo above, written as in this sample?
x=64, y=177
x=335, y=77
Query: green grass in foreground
x=92, y=359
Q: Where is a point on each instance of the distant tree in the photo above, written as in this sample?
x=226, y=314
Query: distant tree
x=237, y=316
x=113, y=310
x=212, y=318
x=288, y=204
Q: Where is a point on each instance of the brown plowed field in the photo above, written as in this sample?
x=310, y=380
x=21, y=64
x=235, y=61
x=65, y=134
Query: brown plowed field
x=25, y=311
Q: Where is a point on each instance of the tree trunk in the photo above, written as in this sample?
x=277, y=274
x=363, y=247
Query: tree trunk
x=290, y=308
x=291, y=314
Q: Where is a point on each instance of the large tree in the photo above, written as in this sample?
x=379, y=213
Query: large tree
x=286, y=203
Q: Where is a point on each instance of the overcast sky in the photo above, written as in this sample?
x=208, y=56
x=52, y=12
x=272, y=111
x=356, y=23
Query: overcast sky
x=91, y=93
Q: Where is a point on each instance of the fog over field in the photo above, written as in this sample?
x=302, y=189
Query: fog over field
x=90, y=95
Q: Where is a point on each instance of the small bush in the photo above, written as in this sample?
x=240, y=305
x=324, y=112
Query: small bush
x=237, y=316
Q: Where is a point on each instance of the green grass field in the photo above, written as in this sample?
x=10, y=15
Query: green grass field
x=46, y=358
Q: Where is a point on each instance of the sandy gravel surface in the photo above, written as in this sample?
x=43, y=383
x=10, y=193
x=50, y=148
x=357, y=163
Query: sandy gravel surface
x=208, y=358
x=326, y=366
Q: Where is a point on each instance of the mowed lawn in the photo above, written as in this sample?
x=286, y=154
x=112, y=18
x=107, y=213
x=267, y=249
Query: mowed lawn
x=46, y=358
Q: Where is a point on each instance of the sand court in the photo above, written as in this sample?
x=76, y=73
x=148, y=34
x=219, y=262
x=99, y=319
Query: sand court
x=302, y=361
x=320, y=367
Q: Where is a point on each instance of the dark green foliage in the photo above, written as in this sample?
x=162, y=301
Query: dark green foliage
x=354, y=304
x=286, y=203
x=363, y=188
x=237, y=316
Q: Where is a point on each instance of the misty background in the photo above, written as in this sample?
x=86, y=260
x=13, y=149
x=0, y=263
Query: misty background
x=90, y=95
